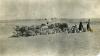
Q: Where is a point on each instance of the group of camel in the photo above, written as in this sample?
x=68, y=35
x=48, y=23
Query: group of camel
x=45, y=29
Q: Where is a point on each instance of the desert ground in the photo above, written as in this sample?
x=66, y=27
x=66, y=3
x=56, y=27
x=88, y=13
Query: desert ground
x=60, y=44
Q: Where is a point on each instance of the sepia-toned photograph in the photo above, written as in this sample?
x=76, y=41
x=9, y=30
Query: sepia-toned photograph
x=49, y=28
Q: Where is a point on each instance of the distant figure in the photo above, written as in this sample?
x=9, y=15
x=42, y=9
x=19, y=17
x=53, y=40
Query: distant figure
x=80, y=26
x=45, y=19
x=88, y=26
x=74, y=29
x=47, y=22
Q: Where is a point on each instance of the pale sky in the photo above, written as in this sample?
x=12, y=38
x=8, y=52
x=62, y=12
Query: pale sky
x=33, y=9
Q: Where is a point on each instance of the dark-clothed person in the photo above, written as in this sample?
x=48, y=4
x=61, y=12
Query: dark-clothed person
x=80, y=26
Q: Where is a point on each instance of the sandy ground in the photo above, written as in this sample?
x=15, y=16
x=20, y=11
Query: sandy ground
x=60, y=44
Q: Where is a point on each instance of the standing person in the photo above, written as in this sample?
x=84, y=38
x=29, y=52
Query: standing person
x=88, y=26
x=80, y=26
